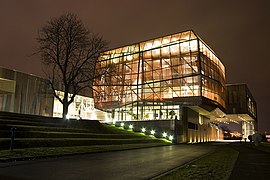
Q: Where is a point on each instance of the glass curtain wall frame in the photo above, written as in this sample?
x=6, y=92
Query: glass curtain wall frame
x=213, y=75
x=157, y=70
x=147, y=111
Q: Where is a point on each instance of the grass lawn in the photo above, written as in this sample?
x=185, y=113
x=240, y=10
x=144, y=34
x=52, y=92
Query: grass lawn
x=217, y=165
x=30, y=153
x=263, y=146
x=37, y=144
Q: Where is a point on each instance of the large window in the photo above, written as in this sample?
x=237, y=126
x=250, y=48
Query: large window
x=158, y=70
x=213, y=75
x=81, y=107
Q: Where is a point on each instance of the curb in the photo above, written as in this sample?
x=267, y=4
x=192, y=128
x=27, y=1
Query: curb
x=179, y=167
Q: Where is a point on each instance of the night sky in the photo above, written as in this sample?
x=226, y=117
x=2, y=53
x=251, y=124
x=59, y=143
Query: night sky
x=238, y=31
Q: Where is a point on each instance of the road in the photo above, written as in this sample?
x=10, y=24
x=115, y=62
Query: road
x=131, y=164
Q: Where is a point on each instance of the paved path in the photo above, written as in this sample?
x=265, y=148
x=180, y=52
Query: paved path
x=251, y=164
x=132, y=164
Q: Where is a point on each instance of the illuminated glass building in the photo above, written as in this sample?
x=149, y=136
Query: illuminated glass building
x=170, y=77
x=173, y=84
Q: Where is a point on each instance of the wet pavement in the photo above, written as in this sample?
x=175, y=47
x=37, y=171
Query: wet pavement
x=136, y=164
x=131, y=164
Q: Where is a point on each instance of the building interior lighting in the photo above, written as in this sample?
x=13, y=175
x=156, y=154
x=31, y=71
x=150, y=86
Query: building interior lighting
x=129, y=57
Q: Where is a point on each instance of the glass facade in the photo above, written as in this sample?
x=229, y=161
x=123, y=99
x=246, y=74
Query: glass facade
x=240, y=100
x=81, y=108
x=146, y=80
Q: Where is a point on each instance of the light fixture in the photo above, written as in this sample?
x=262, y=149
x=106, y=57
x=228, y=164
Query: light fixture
x=143, y=129
x=130, y=126
x=153, y=132
x=164, y=134
x=170, y=137
x=122, y=124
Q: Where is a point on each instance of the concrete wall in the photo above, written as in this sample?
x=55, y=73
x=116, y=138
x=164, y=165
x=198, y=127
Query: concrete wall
x=190, y=128
x=31, y=94
x=159, y=126
x=198, y=128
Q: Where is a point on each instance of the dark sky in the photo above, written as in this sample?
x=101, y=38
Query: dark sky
x=238, y=31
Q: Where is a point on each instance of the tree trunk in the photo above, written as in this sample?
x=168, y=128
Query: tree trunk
x=65, y=106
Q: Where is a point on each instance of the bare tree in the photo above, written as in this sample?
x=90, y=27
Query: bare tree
x=69, y=52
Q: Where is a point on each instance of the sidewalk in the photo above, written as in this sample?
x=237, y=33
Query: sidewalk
x=251, y=163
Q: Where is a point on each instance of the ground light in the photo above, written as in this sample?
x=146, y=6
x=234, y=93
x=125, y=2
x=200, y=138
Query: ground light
x=164, y=135
x=67, y=116
x=152, y=132
x=143, y=130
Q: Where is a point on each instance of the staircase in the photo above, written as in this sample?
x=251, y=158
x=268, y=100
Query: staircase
x=38, y=131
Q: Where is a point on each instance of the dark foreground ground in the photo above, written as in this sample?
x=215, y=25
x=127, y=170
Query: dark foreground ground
x=251, y=164
x=147, y=163
x=132, y=164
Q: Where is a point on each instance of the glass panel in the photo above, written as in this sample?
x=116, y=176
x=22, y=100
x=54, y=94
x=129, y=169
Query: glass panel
x=184, y=47
x=148, y=45
x=166, y=40
x=165, y=52
x=147, y=54
x=192, y=35
x=193, y=45
x=156, y=53
x=163, y=66
x=175, y=38
x=157, y=43
x=174, y=49
x=185, y=36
